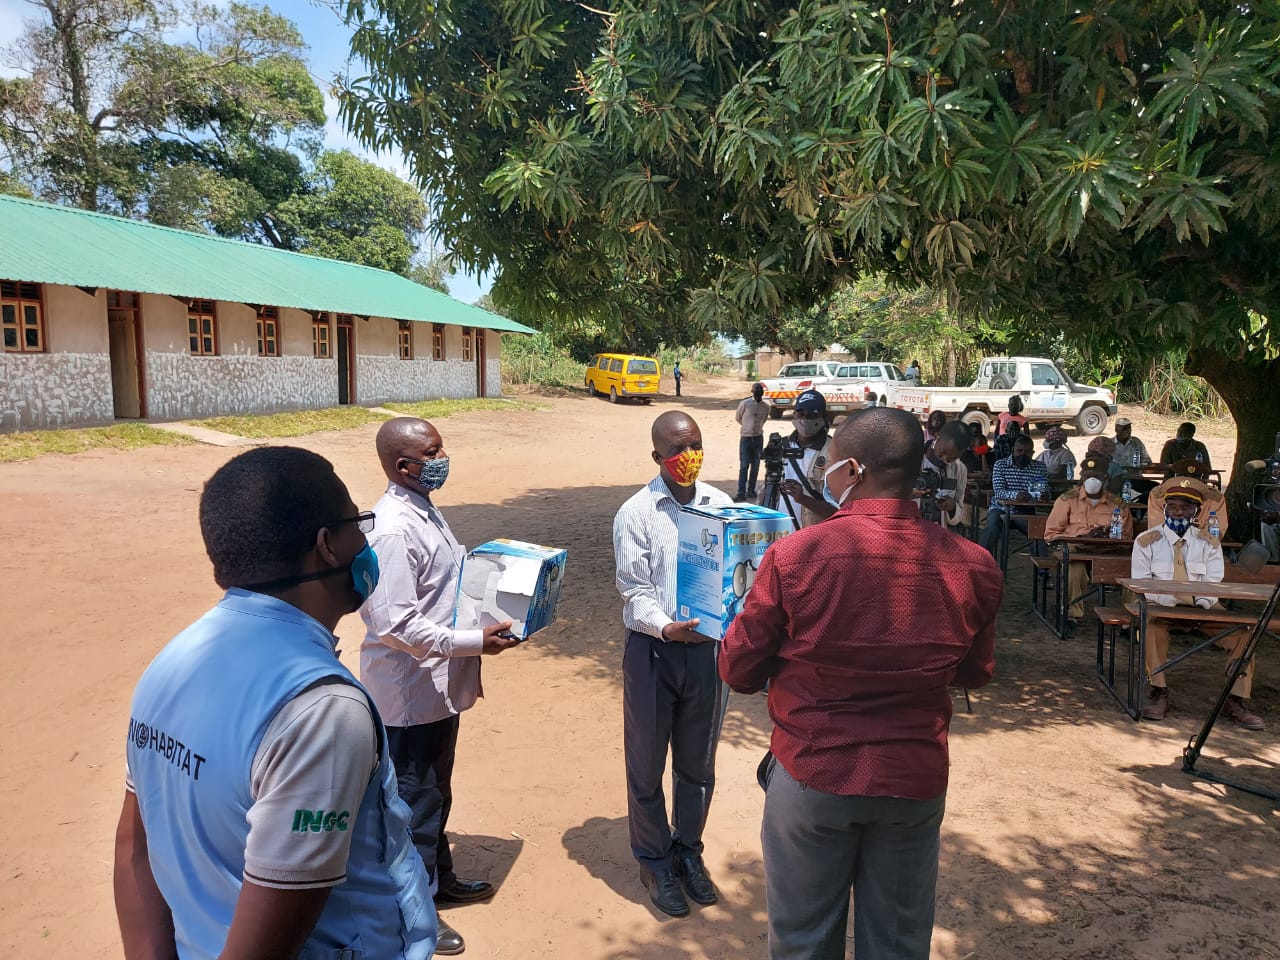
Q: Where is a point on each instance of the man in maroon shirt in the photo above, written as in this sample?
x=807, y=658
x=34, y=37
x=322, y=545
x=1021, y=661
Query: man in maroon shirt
x=860, y=624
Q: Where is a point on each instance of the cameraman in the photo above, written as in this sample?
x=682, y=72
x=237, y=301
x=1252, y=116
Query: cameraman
x=812, y=437
x=940, y=488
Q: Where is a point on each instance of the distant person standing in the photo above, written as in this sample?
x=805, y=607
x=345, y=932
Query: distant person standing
x=751, y=416
x=912, y=373
x=1012, y=415
x=856, y=777
x=672, y=698
x=675, y=372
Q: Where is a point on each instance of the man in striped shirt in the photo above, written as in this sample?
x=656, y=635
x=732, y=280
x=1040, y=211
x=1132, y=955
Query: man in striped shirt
x=1013, y=478
x=671, y=692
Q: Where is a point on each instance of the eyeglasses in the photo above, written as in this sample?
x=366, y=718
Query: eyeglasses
x=363, y=521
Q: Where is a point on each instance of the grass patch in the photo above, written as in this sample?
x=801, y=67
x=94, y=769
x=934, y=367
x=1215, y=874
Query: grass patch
x=439, y=409
x=122, y=436
x=295, y=423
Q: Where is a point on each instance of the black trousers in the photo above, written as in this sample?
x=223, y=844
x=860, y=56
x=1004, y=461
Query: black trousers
x=423, y=757
x=671, y=695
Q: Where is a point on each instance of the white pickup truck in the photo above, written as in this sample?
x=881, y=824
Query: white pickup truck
x=794, y=379
x=858, y=384
x=1049, y=396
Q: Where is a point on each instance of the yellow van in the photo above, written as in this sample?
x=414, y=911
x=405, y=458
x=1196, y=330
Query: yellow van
x=619, y=375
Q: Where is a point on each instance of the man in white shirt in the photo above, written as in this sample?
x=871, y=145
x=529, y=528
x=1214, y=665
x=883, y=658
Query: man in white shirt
x=421, y=671
x=1130, y=451
x=751, y=416
x=671, y=691
x=803, y=478
x=1179, y=550
x=942, y=457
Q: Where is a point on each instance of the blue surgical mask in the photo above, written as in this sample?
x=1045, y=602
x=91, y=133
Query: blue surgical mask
x=364, y=572
x=433, y=473
x=1179, y=525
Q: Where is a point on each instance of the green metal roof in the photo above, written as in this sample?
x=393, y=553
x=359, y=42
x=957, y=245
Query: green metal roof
x=46, y=243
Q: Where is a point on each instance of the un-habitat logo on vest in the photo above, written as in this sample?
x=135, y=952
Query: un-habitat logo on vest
x=318, y=821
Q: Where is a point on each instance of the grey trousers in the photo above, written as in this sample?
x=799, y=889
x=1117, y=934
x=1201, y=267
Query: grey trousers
x=818, y=845
x=671, y=694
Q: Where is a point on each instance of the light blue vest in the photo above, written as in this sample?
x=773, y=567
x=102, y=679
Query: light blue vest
x=198, y=716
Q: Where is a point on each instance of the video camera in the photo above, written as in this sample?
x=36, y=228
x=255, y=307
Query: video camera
x=1266, y=494
x=777, y=450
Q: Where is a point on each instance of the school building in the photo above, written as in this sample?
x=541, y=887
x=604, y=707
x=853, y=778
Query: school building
x=104, y=318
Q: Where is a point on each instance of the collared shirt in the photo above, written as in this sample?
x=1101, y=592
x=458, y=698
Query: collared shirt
x=1061, y=462
x=860, y=624
x=810, y=469
x=1153, y=558
x=1008, y=479
x=1075, y=514
x=646, y=542
x=752, y=416
x=416, y=666
x=1214, y=502
x=1125, y=452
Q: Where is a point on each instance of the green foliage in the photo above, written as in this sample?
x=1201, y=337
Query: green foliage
x=1165, y=388
x=293, y=423
x=446, y=407
x=123, y=436
x=708, y=358
x=537, y=361
x=434, y=271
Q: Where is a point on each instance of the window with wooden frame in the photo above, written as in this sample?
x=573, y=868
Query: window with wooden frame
x=202, y=328
x=268, y=332
x=22, y=317
x=437, y=341
x=406, y=340
x=468, y=343
x=320, y=340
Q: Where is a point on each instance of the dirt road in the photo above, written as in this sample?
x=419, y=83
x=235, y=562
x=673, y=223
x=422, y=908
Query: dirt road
x=1070, y=834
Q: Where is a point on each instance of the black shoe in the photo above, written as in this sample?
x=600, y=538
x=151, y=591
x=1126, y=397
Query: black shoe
x=458, y=890
x=664, y=891
x=696, y=882
x=449, y=941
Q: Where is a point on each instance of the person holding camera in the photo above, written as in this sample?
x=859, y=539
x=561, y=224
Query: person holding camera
x=943, y=477
x=803, y=475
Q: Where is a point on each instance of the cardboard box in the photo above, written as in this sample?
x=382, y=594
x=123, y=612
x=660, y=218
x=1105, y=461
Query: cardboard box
x=720, y=550
x=510, y=580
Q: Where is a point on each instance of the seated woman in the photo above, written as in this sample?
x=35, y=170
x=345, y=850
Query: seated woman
x=1014, y=415
x=1057, y=456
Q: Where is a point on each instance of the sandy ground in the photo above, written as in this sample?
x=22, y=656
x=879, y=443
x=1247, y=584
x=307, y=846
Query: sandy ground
x=1070, y=832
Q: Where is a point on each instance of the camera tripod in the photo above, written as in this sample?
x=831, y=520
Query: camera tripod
x=1191, y=755
x=773, y=492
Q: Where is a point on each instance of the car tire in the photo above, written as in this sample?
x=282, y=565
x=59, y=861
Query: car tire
x=646, y=400
x=979, y=417
x=1091, y=421
x=591, y=389
x=1001, y=382
x=613, y=394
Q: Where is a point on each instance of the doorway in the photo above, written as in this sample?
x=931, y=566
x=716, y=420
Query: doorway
x=481, y=390
x=346, y=359
x=124, y=343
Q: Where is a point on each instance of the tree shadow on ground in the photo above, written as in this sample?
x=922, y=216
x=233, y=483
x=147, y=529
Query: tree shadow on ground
x=734, y=927
x=1202, y=883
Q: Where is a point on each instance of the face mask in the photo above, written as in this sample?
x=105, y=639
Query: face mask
x=1179, y=525
x=1092, y=486
x=684, y=467
x=365, y=572
x=808, y=426
x=827, y=495
x=1022, y=460
x=433, y=473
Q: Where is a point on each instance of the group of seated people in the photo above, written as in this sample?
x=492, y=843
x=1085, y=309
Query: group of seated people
x=1180, y=510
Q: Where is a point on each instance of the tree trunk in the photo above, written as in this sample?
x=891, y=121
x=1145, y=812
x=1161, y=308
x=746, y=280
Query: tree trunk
x=951, y=362
x=1251, y=390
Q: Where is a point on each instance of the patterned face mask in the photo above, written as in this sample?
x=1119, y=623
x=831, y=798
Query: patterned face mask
x=1179, y=525
x=433, y=473
x=684, y=467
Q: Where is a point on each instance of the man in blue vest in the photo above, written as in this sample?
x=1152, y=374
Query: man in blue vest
x=261, y=816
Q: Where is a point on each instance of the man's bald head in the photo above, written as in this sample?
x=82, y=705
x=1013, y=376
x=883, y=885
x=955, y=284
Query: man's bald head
x=406, y=438
x=888, y=443
x=671, y=427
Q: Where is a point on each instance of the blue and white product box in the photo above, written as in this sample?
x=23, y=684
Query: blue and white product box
x=720, y=551
x=510, y=580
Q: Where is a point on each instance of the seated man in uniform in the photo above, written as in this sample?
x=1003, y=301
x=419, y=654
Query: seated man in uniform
x=1085, y=511
x=1212, y=499
x=1178, y=550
